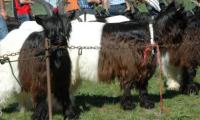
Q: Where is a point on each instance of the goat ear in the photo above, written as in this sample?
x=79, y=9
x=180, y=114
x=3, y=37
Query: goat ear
x=67, y=23
x=178, y=5
x=180, y=11
x=172, y=4
x=181, y=7
x=72, y=16
x=39, y=20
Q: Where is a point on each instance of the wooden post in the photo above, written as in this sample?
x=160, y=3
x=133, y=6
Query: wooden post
x=47, y=46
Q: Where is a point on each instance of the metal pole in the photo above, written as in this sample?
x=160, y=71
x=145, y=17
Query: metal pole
x=48, y=79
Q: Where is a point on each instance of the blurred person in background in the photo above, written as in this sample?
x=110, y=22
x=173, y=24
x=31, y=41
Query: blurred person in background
x=115, y=7
x=72, y=7
x=3, y=17
x=22, y=10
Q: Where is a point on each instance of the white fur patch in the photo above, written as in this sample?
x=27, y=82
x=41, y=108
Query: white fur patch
x=12, y=43
x=172, y=74
x=172, y=84
x=113, y=19
x=117, y=19
x=86, y=34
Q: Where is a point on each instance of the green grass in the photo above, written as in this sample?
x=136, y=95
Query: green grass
x=99, y=101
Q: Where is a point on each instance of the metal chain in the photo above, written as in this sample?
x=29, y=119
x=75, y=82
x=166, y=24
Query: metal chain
x=80, y=48
x=7, y=55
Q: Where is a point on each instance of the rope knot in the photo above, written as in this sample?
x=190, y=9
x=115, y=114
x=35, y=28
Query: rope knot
x=149, y=54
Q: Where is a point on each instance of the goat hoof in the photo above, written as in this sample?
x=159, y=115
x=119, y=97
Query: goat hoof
x=70, y=114
x=127, y=104
x=41, y=112
x=191, y=89
x=43, y=115
x=146, y=103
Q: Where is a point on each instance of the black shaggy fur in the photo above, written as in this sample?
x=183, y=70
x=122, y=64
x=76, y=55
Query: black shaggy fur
x=33, y=74
x=122, y=55
x=178, y=35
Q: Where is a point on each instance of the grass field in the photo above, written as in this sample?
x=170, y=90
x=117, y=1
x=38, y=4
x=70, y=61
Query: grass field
x=99, y=101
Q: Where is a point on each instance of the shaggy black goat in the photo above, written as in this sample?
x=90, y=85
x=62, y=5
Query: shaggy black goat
x=32, y=72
